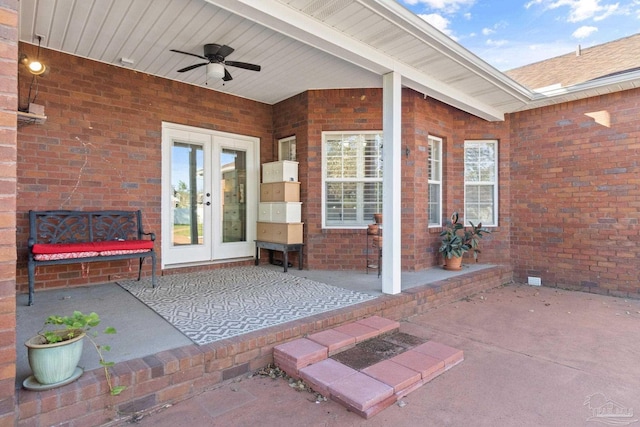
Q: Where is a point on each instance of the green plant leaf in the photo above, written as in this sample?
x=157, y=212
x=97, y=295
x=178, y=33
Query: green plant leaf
x=51, y=337
x=117, y=390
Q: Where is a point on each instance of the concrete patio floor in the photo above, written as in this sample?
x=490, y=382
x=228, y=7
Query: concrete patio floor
x=533, y=357
x=133, y=319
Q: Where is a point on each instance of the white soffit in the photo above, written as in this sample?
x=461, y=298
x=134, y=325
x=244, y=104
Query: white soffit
x=144, y=31
x=381, y=36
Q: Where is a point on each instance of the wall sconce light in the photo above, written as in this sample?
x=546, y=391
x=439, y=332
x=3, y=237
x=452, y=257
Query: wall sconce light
x=407, y=151
x=35, y=67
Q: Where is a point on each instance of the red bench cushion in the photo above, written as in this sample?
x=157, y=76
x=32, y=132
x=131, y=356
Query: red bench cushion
x=81, y=247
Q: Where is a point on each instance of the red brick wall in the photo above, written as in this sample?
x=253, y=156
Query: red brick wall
x=428, y=117
x=424, y=117
x=576, y=194
x=566, y=181
x=290, y=119
x=100, y=147
x=335, y=110
x=8, y=165
x=327, y=111
x=495, y=246
x=361, y=109
x=414, y=185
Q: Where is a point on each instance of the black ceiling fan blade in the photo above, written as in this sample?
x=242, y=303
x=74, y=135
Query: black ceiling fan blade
x=188, y=53
x=244, y=65
x=225, y=51
x=191, y=67
x=227, y=76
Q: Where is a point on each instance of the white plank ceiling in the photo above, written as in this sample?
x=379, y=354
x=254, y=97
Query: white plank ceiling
x=300, y=45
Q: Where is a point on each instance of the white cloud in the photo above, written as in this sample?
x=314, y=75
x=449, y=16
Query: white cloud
x=438, y=21
x=532, y=3
x=517, y=54
x=446, y=6
x=584, y=32
x=608, y=11
x=496, y=43
x=579, y=10
x=495, y=28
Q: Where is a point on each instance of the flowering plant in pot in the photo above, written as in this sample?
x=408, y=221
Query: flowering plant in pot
x=55, y=352
x=456, y=240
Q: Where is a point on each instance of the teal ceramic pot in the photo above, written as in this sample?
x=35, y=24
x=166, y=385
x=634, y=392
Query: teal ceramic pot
x=54, y=363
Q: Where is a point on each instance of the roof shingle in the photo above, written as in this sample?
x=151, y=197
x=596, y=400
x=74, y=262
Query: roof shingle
x=581, y=66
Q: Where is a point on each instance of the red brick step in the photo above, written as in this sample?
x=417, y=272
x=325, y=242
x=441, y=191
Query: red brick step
x=369, y=391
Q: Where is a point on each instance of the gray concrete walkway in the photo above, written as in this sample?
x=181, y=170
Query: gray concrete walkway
x=533, y=357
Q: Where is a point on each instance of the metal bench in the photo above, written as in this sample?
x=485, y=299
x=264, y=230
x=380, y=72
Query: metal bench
x=69, y=237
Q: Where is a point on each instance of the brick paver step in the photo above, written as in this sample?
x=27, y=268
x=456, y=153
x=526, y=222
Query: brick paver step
x=335, y=341
x=374, y=388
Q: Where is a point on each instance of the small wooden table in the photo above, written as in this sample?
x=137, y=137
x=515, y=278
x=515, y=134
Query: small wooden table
x=285, y=248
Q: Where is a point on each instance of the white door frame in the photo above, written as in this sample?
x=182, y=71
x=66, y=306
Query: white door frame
x=213, y=143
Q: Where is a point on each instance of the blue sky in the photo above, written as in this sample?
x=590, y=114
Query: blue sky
x=511, y=33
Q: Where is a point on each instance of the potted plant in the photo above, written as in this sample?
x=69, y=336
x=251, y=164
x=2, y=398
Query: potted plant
x=54, y=353
x=456, y=240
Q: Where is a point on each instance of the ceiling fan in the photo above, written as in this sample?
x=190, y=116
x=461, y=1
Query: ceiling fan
x=215, y=55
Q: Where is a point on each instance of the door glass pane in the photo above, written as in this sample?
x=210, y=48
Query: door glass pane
x=187, y=181
x=233, y=166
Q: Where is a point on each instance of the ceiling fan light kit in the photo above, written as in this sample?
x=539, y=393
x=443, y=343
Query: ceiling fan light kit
x=215, y=55
x=215, y=71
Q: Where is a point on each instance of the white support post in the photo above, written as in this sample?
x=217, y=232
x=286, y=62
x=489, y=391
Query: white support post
x=391, y=184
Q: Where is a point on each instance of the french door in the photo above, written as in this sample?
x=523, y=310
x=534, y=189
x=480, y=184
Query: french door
x=209, y=195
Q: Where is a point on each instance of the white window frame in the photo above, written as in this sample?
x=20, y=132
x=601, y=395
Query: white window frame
x=486, y=222
x=435, y=164
x=363, y=222
x=284, y=148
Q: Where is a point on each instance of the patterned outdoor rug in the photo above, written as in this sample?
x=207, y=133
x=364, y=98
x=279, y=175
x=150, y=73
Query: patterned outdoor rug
x=214, y=305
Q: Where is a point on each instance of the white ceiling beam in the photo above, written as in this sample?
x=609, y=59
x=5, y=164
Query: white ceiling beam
x=418, y=28
x=292, y=23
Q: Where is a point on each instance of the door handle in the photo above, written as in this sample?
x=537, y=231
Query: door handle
x=208, y=203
